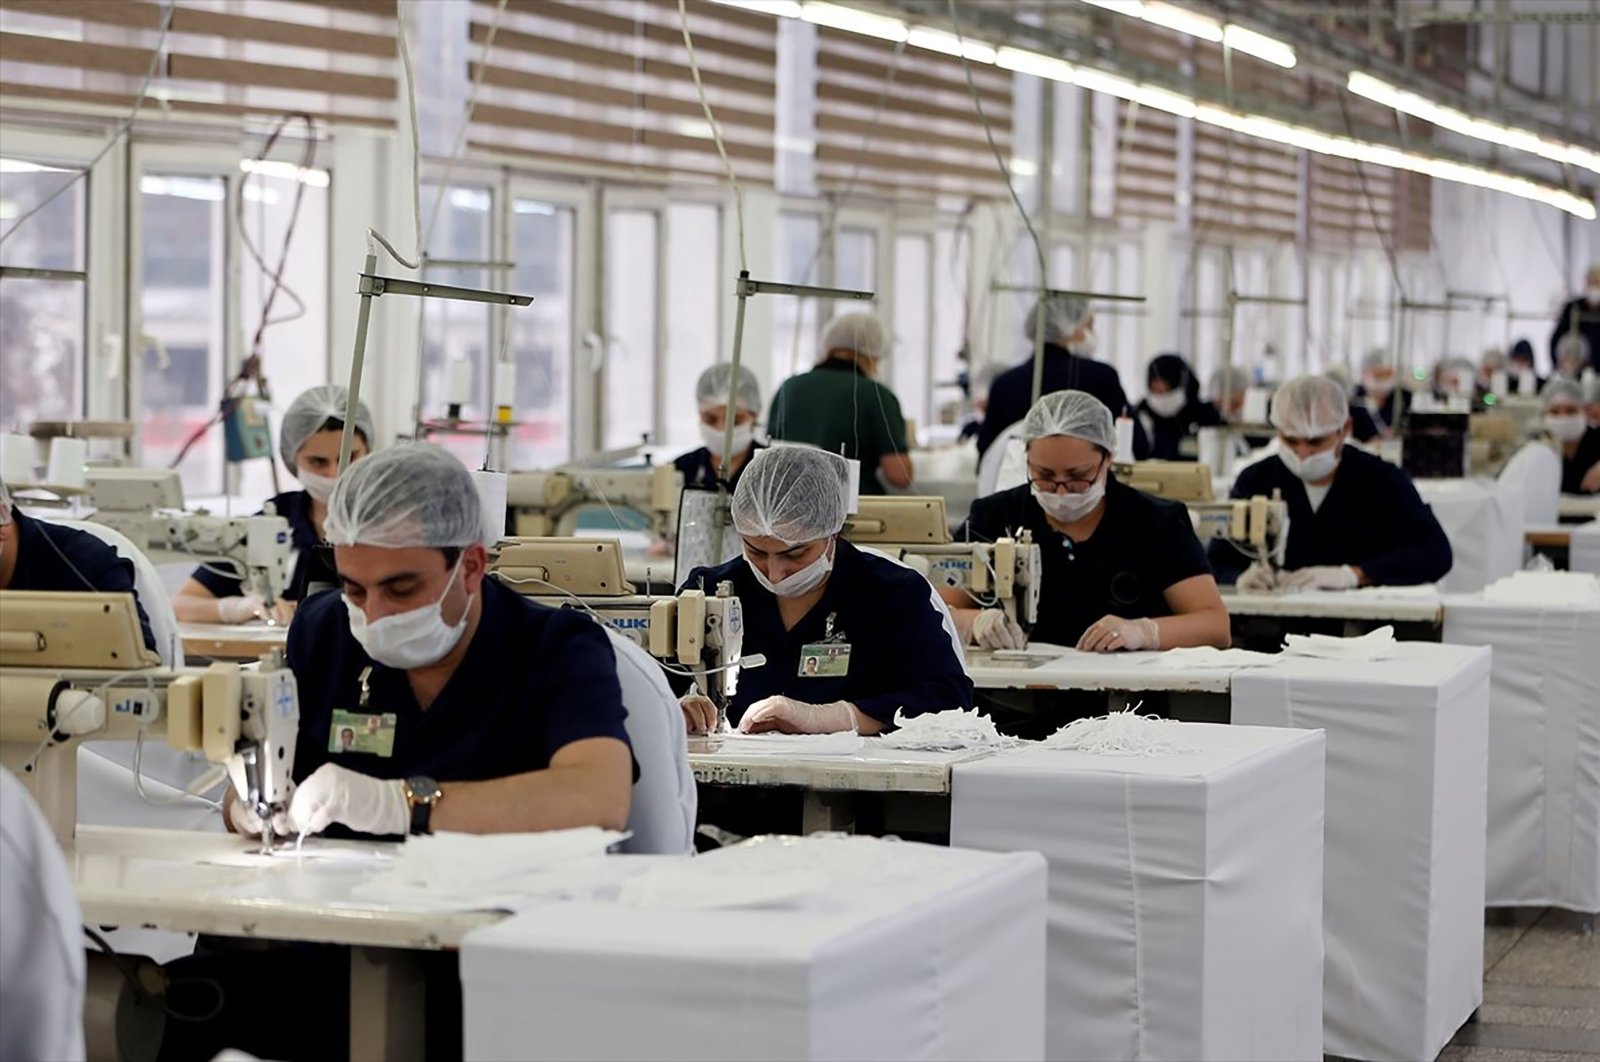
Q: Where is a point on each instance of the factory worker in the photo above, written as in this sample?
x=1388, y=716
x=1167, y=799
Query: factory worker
x=1173, y=412
x=1354, y=519
x=1228, y=389
x=1581, y=317
x=1456, y=378
x=701, y=467
x=1493, y=363
x=1575, y=440
x=1378, y=397
x=1522, y=366
x=41, y=936
x=849, y=637
x=1122, y=569
x=841, y=407
x=474, y=709
x=308, y=441
x=1069, y=346
x=40, y=555
x=1572, y=356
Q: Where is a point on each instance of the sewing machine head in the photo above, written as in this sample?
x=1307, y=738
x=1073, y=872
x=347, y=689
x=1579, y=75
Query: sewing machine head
x=1185, y=481
x=1258, y=526
x=548, y=503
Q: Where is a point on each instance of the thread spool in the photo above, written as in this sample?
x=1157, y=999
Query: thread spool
x=1124, y=454
x=16, y=458
x=68, y=459
x=492, y=501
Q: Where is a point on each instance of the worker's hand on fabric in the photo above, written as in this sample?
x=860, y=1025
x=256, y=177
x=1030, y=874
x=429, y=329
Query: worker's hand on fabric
x=241, y=609
x=699, y=713
x=1259, y=578
x=279, y=614
x=993, y=629
x=1111, y=634
x=1590, y=484
x=336, y=794
x=788, y=716
x=1321, y=577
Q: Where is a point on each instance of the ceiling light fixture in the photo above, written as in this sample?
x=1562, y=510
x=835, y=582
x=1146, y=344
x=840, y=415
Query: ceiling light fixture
x=853, y=20
x=937, y=40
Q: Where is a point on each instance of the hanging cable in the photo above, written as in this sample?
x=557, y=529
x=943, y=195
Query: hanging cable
x=466, y=123
x=375, y=238
x=716, y=132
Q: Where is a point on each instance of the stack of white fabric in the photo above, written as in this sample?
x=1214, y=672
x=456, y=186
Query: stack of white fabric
x=467, y=872
x=1545, y=588
x=1374, y=645
x=1584, y=556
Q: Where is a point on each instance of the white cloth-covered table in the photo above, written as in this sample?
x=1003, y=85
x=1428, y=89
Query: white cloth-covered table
x=1544, y=749
x=1584, y=554
x=1185, y=889
x=897, y=951
x=1374, y=604
x=1484, y=520
x=1404, y=841
x=1045, y=666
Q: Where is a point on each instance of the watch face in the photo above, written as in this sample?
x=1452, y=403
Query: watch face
x=423, y=789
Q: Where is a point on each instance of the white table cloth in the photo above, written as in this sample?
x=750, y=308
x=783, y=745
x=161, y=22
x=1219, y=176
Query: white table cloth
x=1544, y=749
x=1185, y=889
x=1484, y=520
x=1584, y=555
x=1404, y=842
x=904, y=951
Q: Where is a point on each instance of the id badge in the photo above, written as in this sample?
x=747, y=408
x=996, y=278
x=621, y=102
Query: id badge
x=372, y=735
x=825, y=660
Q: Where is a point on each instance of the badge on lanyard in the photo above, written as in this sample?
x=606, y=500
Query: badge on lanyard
x=829, y=658
x=361, y=731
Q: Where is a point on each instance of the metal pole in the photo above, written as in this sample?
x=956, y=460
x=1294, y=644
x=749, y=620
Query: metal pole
x=353, y=397
x=1047, y=150
x=733, y=380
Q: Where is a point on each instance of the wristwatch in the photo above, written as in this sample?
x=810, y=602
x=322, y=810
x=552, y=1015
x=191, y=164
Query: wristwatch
x=422, y=793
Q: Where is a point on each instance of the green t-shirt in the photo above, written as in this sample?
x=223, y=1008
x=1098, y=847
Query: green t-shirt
x=840, y=409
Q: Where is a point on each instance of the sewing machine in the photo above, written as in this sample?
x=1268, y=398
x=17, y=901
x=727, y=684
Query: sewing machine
x=1259, y=526
x=73, y=667
x=146, y=505
x=694, y=632
x=1185, y=481
x=547, y=504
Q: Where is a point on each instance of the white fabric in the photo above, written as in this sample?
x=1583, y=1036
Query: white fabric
x=1004, y=464
x=147, y=584
x=1374, y=645
x=1209, y=656
x=1544, y=588
x=1484, y=521
x=1536, y=471
x=1584, y=555
x=1185, y=890
x=665, y=800
x=1544, y=749
x=477, y=872
x=1404, y=840
x=947, y=730
x=909, y=952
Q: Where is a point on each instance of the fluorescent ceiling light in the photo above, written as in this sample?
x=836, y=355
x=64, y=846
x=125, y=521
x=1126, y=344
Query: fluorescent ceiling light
x=853, y=21
x=937, y=40
x=1145, y=95
x=22, y=166
x=203, y=188
x=1182, y=20
x=286, y=170
x=1025, y=62
x=781, y=8
x=1259, y=45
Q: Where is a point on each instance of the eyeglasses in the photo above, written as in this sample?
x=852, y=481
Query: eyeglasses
x=1077, y=485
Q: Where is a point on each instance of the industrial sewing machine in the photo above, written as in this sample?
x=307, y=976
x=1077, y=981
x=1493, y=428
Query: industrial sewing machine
x=146, y=505
x=73, y=667
x=1185, y=481
x=546, y=504
x=1258, y=526
x=693, y=633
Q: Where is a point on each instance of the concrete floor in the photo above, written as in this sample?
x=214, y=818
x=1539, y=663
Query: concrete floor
x=1541, y=992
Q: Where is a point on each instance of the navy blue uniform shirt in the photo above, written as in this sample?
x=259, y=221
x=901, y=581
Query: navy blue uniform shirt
x=901, y=655
x=699, y=467
x=1142, y=546
x=1372, y=518
x=533, y=681
x=1574, y=468
x=52, y=557
x=1177, y=438
x=313, y=569
x=1011, y=393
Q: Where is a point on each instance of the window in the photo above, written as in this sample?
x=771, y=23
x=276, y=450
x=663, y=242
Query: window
x=542, y=334
x=41, y=320
x=951, y=249
x=696, y=288
x=795, y=329
x=912, y=346
x=456, y=341
x=632, y=317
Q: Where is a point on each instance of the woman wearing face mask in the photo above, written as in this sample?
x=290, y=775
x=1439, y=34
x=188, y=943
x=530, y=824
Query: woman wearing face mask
x=701, y=468
x=308, y=440
x=1172, y=411
x=1380, y=402
x=850, y=638
x=1354, y=519
x=1577, y=442
x=1525, y=378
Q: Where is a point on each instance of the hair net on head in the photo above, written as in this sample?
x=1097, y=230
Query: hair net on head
x=1072, y=413
x=1308, y=406
x=1340, y=375
x=403, y=497
x=794, y=494
x=1377, y=358
x=860, y=332
x=1572, y=347
x=1522, y=350
x=1063, y=315
x=1233, y=380
x=313, y=409
x=1493, y=359
x=711, y=390
x=1173, y=371
x=1560, y=391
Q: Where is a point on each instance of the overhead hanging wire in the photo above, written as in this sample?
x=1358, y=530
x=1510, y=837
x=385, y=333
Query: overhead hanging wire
x=716, y=131
x=466, y=123
x=375, y=238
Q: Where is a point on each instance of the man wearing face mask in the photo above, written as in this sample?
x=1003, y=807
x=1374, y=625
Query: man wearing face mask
x=850, y=638
x=1354, y=519
x=308, y=440
x=1069, y=346
x=1172, y=412
x=1377, y=403
x=701, y=468
x=1581, y=316
x=1575, y=440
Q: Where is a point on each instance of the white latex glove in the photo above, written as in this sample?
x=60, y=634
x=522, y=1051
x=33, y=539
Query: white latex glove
x=1257, y=579
x=337, y=794
x=789, y=716
x=1325, y=577
x=1111, y=634
x=241, y=609
x=993, y=629
x=699, y=713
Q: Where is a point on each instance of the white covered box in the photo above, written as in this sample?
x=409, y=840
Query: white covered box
x=1185, y=889
x=883, y=950
x=1544, y=749
x=1584, y=555
x=1484, y=521
x=1404, y=842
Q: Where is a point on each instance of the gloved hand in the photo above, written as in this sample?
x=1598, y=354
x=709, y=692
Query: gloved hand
x=1321, y=577
x=993, y=629
x=241, y=609
x=789, y=716
x=280, y=614
x=336, y=794
x=1258, y=579
x=1111, y=634
x=699, y=713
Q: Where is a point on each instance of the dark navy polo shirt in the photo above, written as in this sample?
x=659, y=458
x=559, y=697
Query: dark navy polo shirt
x=699, y=467
x=901, y=655
x=313, y=569
x=52, y=557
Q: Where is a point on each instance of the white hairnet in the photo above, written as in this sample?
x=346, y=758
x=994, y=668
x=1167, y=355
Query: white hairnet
x=1233, y=380
x=860, y=332
x=1559, y=390
x=1572, y=346
x=311, y=412
x=712, y=388
x=792, y=493
x=1493, y=359
x=1063, y=315
x=1073, y=413
x=1340, y=374
x=1377, y=358
x=406, y=496
x=1308, y=406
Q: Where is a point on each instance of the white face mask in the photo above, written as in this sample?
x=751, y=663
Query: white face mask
x=1566, y=427
x=743, y=436
x=319, y=487
x=1085, y=347
x=412, y=639
x=795, y=584
x=1069, y=508
x=1318, y=466
x=1593, y=295
x=1169, y=404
